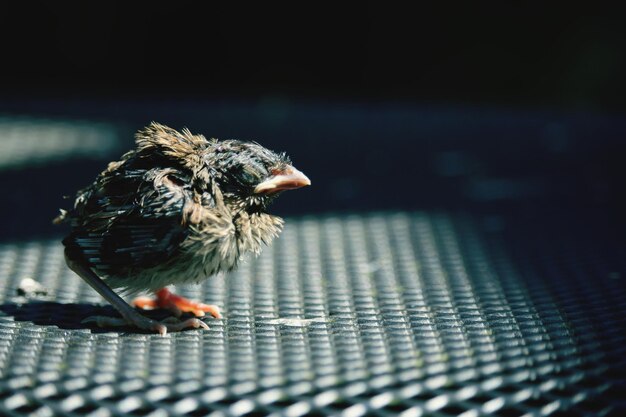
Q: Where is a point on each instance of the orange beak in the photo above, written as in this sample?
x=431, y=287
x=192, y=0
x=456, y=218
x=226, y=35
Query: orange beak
x=287, y=179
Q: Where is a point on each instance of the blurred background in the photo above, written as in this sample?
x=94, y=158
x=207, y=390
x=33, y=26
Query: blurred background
x=512, y=110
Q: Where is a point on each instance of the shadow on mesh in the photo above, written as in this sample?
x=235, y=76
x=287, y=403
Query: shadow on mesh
x=70, y=316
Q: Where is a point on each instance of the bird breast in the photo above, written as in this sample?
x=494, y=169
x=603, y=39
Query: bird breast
x=216, y=244
x=219, y=242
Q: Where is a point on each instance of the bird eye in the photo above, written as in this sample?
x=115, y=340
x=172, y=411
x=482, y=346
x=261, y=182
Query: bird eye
x=247, y=177
x=251, y=173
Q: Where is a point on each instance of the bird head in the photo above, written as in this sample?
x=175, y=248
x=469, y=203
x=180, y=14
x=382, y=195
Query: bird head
x=251, y=176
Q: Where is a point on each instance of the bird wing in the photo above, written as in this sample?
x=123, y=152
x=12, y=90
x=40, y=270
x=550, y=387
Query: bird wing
x=131, y=220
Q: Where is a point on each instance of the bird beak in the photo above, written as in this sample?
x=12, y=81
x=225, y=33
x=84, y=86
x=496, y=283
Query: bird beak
x=286, y=179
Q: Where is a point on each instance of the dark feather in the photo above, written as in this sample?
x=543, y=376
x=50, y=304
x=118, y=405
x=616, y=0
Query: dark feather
x=129, y=219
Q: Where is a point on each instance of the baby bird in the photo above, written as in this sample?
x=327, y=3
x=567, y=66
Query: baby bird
x=177, y=209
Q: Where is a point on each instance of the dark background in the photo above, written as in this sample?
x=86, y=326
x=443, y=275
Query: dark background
x=496, y=55
x=495, y=108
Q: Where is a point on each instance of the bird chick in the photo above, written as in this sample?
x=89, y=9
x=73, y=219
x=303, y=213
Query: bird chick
x=177, y=209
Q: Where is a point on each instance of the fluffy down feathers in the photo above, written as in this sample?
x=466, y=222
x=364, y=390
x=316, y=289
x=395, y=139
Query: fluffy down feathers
x=177, y=208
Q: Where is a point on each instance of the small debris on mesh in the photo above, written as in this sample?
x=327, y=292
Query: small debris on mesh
x=30, y=288
x=297, y=322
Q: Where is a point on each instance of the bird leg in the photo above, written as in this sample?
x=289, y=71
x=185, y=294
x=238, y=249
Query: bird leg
x=129, y=314
x=177, y=304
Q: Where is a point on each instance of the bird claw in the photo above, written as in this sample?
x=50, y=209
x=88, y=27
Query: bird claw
x=177, y=304
x=170, y=324
x=181, y=325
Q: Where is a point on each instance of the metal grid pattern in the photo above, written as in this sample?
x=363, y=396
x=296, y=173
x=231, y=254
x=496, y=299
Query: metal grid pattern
x=385, y=314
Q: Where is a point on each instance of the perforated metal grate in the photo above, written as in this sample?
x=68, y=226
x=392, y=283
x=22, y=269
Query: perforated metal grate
x=384, y=314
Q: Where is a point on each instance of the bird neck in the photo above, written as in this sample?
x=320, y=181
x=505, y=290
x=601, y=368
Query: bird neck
x=249, y=205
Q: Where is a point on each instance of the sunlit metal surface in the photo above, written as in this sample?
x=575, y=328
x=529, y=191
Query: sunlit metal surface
x=400, y=313
x=28, y=141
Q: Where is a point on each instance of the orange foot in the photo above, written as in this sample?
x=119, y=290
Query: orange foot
x=176, y=304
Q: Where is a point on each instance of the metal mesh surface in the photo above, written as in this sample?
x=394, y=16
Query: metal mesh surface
x=428, y=313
